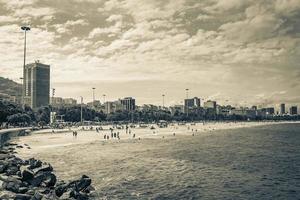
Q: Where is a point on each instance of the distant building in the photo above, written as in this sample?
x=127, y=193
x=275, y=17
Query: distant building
x=190, y=103
x=70, y=102
x=210, y=104
x=282, y=109
x=10, y=98
x=112, y=106
x=37, y=85
x=57, y=101
x=294, y=110
x=128, y=103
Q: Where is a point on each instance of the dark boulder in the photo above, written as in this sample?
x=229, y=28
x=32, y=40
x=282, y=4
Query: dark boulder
x=3, y=166
x=37, y=196
x=22, y=197
x=43, y=168
x=4, y=156
x=83, y=183
x=12, y=170
x=34, y=163
x=27, y=175
x=49, y=180
x=12, y=184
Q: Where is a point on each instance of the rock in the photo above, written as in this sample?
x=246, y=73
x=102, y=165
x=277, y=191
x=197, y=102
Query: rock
x=16, y=161
x=49, y=180
x=37, y=196
x=12, y=170
x=4, y=156
x=27, y=175
x=79, y=195
x=43, y=168
x=3, y=166
x=19, y=146
x=12, y=184
x=22, y=197
x=50, y=196
x=37, y=180
x=61, y=189
x=83, y=183
x=4, y=194
x=89, y=189
x=23, y=190
x=33, y=163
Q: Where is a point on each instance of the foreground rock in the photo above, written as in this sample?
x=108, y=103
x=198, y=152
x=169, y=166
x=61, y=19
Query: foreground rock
x=33, y=179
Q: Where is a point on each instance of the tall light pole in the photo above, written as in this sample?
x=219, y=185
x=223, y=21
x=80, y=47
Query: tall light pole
x=22, y=97
x=187, y=93
x=93, y=96
x=53, y=93
x=81, y=101
x=104, y=98
x=25, y=29
x=163, y=98
x=187, y=106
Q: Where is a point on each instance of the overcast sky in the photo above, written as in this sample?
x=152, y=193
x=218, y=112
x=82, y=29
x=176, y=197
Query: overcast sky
x=242, y=51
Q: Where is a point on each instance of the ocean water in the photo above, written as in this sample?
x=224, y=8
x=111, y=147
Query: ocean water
x=248, y=163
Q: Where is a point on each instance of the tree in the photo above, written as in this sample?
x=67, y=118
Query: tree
x=19, y=119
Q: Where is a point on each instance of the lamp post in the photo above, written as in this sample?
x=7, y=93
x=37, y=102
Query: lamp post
x=81, y=101
x=104, y=98
x=187, y=106
x=25, y=29
x=93, y=96
x=22, y=97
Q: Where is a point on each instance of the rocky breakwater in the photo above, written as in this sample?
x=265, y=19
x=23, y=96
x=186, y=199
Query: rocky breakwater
x=33, y=179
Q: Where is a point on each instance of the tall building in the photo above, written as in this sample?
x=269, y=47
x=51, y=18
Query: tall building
x=128, y=103
x=210, y=104
x=37, y=84
x=293, y=110
x=190, y=103
x=282, y=109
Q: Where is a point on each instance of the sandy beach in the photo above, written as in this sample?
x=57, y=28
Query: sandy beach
x=45, y=139
x=218, y=156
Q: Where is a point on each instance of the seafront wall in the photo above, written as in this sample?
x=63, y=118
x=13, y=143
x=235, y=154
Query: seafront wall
x=7, y=134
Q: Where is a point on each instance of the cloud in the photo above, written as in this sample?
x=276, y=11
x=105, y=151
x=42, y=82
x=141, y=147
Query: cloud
x=230, y=46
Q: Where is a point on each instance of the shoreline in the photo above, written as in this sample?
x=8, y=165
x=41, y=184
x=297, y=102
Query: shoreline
x=46, y=140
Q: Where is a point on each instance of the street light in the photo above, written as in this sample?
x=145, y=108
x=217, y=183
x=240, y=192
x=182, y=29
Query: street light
x=81, y=120
x=25, y=29
x=187, y=106
x=93, y=96
x=22, y=98
x=104, y=98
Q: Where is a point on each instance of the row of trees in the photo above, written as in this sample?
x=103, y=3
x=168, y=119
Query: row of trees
x=17, y=116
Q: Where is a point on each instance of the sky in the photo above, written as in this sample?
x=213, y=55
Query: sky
x=239, y=52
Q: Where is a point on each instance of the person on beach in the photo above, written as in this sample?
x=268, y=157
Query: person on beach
x=115, y=135
x=173, y=134
x=133, y=135
x=126, y=129
x=118, y=135
x=129, y=131
x=104, y=137
x=112, y=135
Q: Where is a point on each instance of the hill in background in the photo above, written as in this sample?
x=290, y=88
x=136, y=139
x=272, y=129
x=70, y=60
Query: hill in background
x=10, y=87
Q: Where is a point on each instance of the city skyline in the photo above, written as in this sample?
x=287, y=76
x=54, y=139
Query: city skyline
x=241, y=52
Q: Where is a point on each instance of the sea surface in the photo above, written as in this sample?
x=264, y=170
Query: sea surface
x=246, y=163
